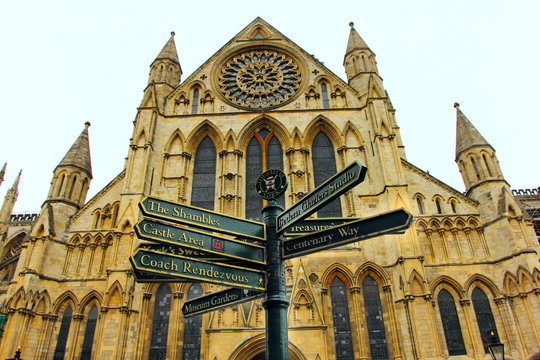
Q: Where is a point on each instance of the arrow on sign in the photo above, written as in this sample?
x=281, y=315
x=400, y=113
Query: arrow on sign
x=180, y=267
x=362, y=229
x=201, y=218
x=197, y=240
x=218, y=300
x=338, y=184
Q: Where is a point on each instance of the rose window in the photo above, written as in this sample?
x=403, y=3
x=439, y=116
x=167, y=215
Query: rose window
x=259, y=79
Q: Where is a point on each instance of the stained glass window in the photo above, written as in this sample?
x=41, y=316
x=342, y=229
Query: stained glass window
x=63, y=335
x=324, y=91
x=160, y=323
x=324, y=166
x=450, y=322
x=374, y=319
x=342, y=323
x=195, y=105
x=264, y=152
x=89, y=334
x=204, y=175
x=192, y=328
x=484, y=317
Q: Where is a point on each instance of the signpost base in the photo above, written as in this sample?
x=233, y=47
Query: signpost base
x=275, y=303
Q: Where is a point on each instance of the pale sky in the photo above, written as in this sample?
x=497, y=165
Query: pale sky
x=67, y=62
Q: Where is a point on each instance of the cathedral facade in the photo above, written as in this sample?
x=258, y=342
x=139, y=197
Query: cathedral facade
x=465, y=273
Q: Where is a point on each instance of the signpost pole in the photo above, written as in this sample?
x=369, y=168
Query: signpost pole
x=275, y=303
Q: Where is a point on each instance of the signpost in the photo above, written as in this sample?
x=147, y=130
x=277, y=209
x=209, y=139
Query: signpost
x=183, y=254
x=357, y=230
x=201, y=218
x=218, y=300
x=338, y=184
x=181, y=267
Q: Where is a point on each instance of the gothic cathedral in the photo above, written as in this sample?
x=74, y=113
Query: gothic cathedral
x=465, y=274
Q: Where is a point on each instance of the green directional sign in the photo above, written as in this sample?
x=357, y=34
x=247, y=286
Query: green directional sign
x=183, y=268
x=362, y=229
x=201, y=218
x=338, y=184
x=145, y=277
x=198, y=240
x=308, y=226
x=218, y=300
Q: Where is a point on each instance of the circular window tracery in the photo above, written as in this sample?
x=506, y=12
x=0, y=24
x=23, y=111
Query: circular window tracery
x=258, y=79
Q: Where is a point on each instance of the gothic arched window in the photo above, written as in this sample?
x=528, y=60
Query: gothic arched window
x=324, y=166
x=324, y=92
x=475, y=169
x=341, y=319
x=374, y=319
x=263, y=152
x=195, y=104
x=438, y=205
x=89, y=334
x=160, y=323
x=420, y=205
x=450, y=322
x=204, y=175
x=487, y=165
x=191, y=348
x=63, y=335
x=484, y=317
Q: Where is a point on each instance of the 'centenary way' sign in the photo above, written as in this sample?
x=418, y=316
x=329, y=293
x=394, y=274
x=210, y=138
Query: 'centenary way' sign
x=145, y=260
x=201, y=218
x=362, y=229
x=197, y=240
x=218, y=300
x=338, y=184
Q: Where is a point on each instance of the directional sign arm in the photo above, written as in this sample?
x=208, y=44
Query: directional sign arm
x=218, y=300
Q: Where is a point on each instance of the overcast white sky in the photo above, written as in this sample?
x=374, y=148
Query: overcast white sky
x=67, y=62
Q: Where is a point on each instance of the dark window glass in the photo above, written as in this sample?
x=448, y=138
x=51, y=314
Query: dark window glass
x=487, y=165
x=160, y=323
x=61, y=186
x=204, y=175
x=374, y=319
x=89, y=334
x=195, y=105
x=484, y=317
x=450, y=322
x=324, y=166
x=75, y=181
x=192, y=328
x=420, y=207
x=342, y=323
x=63, y=335
x=475, y=169
x=264, y=152
x=453, y=205
x=324, y=91
x=438, y=204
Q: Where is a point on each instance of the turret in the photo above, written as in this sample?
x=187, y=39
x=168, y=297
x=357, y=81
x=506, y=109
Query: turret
x=9, y=202
x=72, y=176
x=474, y=155
x=166, y=67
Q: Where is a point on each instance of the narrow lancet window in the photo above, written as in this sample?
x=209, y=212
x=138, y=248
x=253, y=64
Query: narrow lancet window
x=89, y=334
x=204, y=175
x=324, y=166
x=475, y=169
x=160, y=323
x=450, y=322
x=484, y=317
x=195, y=104
x=324, y=91
x=191, y=348
x=63, y=335
x=342, y=322
x=487, y=165
x=374, y=319
x=420, y=205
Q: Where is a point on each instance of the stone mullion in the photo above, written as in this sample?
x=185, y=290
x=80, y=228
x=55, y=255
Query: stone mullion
x=142, y=326
x=478, y=348
x=184, y=178
x=454, y=232
x=79, y=260
x=432, y=323
x=103, y=256
x=70, y=248
x=360, y=330
x=508, y=326
x=409, y=313
x=124, y=331
x=443, y=243
x=46, y=343
x=73, y=336
x=118, y=352
x=174, y=324
x=482, y=236
x=387, y=289
x=428, y=233
x=469, y=240
x=525, y=301
x=23, y=314
x=45, y=320
x=518, y=325
x=91, y=260
x=98, y=334
x=237, y=165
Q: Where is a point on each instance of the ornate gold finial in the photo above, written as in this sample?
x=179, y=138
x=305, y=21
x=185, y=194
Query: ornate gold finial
x=87, y=124
x=351, y=24
x=456, y=105
x=172, y=33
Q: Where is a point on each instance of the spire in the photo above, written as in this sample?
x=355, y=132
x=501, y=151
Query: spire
x=466, y=134
x=79, y=153
x=355, y=41
x=15, y=187
x=2, y=173
x=169, y=51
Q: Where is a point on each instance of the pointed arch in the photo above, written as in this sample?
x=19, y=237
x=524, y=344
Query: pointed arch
x=303, y=293
x=511, y=284
x=68, y=298
x=42, y=303
x=17, y=300
x=114, y=297
x=377, y=271
x=416, y=282
x=525, y=279
x=271, y=123
x=141, y=139
x=175, y=144
x=352, y=136
x=91, y=297
x=337, y=269
x=482, y=281
x=322, y=123
x=230, y=140
x=297, y=137
x=205, y=128
x=536, y=277
x=443, y=281
x=256, y=345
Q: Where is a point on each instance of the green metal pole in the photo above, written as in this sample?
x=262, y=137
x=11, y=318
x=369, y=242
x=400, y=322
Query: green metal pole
x=275, y=303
